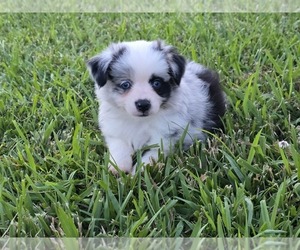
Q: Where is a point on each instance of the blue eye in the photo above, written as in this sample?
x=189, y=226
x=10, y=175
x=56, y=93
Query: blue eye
x=125, y=85
x=156, y=84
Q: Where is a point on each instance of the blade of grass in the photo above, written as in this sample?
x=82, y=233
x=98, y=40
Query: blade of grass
x=67, y=223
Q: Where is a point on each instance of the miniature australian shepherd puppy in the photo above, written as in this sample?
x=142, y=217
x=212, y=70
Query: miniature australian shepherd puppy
x=151, y=95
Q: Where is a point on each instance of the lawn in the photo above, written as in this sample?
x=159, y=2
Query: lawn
x=53, y=161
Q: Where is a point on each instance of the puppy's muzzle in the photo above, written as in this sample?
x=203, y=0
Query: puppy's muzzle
x=143, y=105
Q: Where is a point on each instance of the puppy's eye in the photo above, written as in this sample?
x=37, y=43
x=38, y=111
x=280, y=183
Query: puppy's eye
x=125, y=85
x=156, y=84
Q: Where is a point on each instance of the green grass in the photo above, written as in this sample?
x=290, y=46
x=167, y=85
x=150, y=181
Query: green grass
x=53, y=161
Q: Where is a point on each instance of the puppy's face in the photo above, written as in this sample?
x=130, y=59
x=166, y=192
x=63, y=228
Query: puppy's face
x=139, y=76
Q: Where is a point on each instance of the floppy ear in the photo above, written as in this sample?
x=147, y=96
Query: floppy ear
x=99, y=65
x=176, y=61
x=98, y=70
x=177, y=64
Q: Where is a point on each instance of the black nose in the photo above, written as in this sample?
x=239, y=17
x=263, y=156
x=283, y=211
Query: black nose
x=143, y=105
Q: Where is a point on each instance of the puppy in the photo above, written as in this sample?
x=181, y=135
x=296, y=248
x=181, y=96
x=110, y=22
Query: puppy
x=151, y=95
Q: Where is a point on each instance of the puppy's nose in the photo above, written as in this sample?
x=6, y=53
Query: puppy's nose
x=143, y=105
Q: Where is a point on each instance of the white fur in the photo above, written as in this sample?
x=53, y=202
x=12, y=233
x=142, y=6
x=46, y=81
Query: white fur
x=124, y=130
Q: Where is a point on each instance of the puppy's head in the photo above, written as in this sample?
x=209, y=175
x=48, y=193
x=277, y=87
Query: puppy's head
x=139, y=76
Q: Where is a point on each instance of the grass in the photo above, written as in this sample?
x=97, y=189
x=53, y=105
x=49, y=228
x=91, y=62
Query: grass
x=53, y=162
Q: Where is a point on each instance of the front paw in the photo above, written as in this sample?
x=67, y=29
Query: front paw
x=120, y=155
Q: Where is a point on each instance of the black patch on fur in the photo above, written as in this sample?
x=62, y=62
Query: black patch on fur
x=209, y=76
x=180, y=62
x=98, y=70
x=216, y=99
x=165, y=88
x=173, y=57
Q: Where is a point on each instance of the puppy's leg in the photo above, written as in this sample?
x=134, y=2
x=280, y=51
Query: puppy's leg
x=120, y=155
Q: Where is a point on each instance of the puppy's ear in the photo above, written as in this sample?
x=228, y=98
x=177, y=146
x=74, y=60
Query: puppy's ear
x=99, y=65
x=176, y=61
x=98, y=69
x=177, y=64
